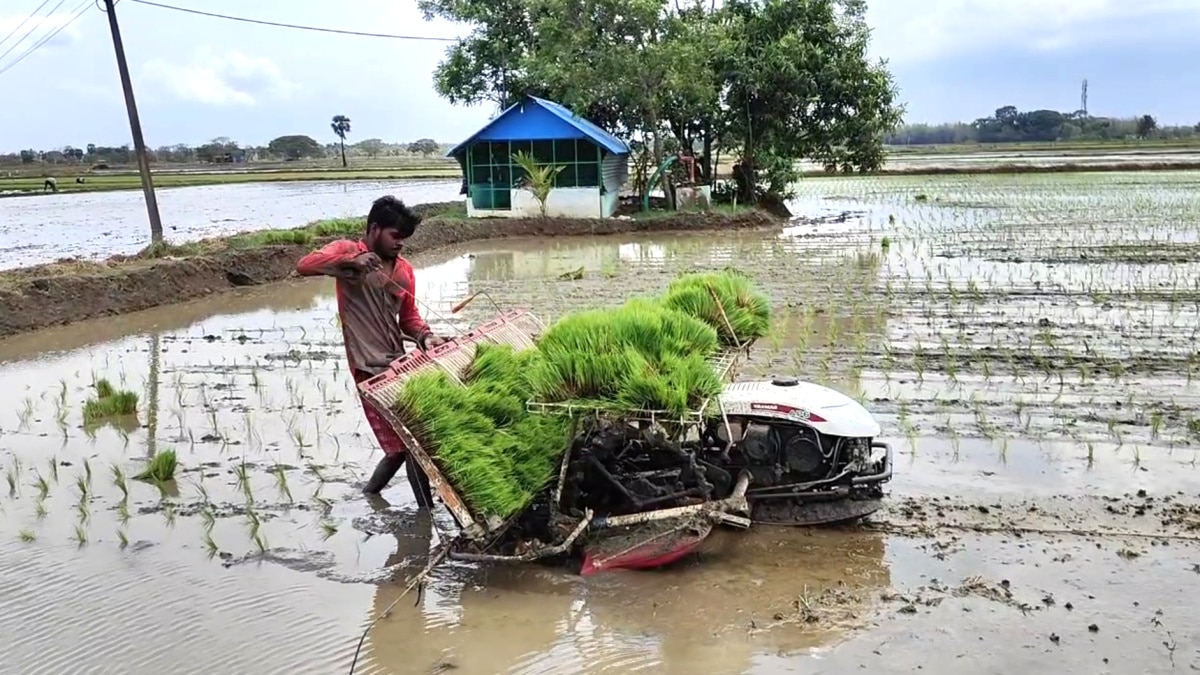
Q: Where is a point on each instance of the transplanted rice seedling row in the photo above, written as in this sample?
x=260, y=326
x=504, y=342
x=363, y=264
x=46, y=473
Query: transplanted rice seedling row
x=1028, y=307
x=646, y=355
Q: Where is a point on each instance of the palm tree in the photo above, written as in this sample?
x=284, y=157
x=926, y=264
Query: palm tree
x=341, y=127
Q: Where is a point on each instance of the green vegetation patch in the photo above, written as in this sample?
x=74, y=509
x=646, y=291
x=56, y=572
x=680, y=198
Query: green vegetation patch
x=109, y=402
x=495, y=453
x=728, y=301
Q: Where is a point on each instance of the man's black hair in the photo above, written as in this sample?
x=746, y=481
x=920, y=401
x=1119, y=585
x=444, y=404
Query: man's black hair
x=391, y=213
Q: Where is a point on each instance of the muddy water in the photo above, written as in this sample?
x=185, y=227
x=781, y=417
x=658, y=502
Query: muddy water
x=43, y=228
x=1017, y=491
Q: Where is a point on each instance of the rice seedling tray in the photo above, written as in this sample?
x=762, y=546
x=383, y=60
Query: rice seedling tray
x=516, y=328
x=724, y=363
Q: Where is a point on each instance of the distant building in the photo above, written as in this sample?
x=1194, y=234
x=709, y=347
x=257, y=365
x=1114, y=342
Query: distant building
x=595, y=163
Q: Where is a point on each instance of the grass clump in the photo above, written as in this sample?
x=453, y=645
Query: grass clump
x=727, y=300
x=161, y=468
x=496, y=453
x=109, y=402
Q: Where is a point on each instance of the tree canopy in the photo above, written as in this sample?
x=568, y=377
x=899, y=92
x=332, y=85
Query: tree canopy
x=1011, y=125
x=768, y=81
x=296, y=147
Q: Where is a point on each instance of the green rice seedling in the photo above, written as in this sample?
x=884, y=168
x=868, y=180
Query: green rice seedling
x=210, y=546
x=281, y=483
x=208, y=517
x=494, y=451
x=1156, y=421
x=252, y=519
x=42, y=486
x=109, y=402
x=260, y=541
x=122, y=539
x=39, y=509
x=328, y=529
x=588, y=355
x=81, y=537
x=463, y=441
x=202, y=490
x=243, y=479
x=323, y=503
x=26, y=536
x=26, y=413
x=728, y=301
x=161, y=468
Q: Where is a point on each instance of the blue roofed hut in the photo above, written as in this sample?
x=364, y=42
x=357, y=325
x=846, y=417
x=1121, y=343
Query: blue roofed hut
x=595, y=164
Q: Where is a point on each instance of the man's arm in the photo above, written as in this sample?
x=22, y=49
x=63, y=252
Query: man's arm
x=328, y=260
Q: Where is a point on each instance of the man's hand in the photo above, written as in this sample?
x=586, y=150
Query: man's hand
x=358, y=267
x=429, y=341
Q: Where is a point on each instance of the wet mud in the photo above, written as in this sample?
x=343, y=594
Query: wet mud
x=1044, y=515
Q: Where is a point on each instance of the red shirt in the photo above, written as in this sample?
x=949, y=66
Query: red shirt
x=373, y=314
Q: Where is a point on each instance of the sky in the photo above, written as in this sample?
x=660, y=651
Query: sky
x=197, y=78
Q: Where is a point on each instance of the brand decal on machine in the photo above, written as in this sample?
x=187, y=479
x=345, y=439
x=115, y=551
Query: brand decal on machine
x=795, y=413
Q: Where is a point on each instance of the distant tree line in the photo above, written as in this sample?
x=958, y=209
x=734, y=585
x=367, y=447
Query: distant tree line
x=223, y=150
x=1010, y=125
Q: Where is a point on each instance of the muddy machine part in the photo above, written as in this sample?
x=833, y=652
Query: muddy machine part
x=812, y=452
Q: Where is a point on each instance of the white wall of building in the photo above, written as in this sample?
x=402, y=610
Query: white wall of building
x=576, y=202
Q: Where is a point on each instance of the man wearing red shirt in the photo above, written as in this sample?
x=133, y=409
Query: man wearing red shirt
x=375, y=288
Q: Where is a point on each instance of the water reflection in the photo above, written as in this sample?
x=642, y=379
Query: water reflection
x=714, y=613
x=106, y=223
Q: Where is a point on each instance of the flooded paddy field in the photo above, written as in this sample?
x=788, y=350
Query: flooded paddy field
x=1027, y=342
x=39, y=229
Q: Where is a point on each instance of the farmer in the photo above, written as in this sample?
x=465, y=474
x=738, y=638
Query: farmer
x=377, y=308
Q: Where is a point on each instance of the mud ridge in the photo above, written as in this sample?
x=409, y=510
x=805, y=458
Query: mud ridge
x=49, y=295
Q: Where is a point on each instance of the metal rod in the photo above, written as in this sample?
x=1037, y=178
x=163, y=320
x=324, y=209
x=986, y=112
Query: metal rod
x=882, y=476
x=795, y=487
x=135, y=126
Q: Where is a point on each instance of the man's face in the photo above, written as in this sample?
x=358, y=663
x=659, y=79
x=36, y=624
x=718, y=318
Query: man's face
x=385, y=242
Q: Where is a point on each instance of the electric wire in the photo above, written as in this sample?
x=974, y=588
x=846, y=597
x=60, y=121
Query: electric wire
x=31, y=30
x=82, y=7
x=278, y=24
x=25, y=21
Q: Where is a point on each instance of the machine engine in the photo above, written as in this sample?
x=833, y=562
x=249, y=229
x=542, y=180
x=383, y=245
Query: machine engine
x=780, y=454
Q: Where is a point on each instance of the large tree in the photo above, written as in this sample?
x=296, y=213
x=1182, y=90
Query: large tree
x=296, y=147
x=773, y=81
x=800, y=85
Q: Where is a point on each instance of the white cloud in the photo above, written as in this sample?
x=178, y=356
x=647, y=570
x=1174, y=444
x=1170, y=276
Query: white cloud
x=30, y=31
x=228, y=78
x=907, y=31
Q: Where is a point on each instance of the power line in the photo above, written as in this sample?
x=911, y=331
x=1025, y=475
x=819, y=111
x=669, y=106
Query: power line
x=31, y=30
x=78, y=13
x=22, y=24
x=294, y=26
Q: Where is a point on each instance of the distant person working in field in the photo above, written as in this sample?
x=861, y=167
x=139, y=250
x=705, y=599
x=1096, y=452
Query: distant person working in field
x=377, y=307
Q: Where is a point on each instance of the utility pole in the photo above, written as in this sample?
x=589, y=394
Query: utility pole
x=135, y=126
